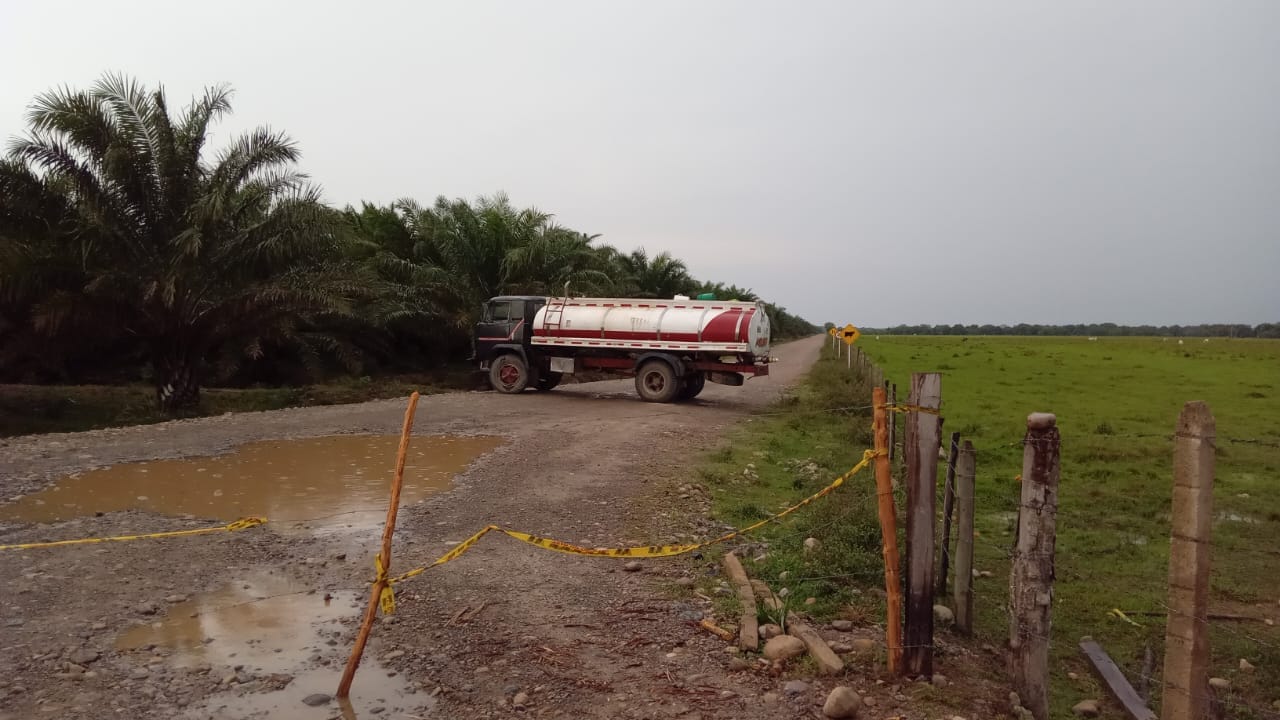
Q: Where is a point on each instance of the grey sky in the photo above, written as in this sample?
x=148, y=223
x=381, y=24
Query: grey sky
x=868, y=162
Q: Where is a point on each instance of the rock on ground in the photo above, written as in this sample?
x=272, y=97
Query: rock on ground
x=842, y=703
x=784, y=647
x=943, y=615
x=864, y=645
x=795, y=687
x=1086, y=708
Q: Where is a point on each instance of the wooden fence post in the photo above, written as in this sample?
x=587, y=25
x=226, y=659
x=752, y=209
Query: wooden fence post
x=923, y=435
x=893, y=422
x=384, y=557
x=888, y=534
x=1186, y=654
x=963, y=586
x=1031, y=577
x=948, y=505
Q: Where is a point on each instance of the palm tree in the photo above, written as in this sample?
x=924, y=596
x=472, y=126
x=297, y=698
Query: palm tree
x=151, y=242
x=467, y=245
x=554, y=258
x=662, y=277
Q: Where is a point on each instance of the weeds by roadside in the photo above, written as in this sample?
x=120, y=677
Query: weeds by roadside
x=27, y=409
x=812, y=435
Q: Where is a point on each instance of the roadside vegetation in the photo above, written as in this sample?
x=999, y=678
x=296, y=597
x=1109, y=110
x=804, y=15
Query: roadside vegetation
x=133, y=252
x=1116, y=402
x=802, y=443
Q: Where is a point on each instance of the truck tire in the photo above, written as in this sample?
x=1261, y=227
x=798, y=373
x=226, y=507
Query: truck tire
x=548, y=381
x=656, y=381
x=692, y=386
x=509, y=374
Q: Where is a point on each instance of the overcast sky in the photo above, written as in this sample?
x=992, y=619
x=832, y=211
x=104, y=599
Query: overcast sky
x=879, y=163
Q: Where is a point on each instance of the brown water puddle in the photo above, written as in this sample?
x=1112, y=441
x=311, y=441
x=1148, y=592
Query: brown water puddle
x=338, y=480
x=269, y=625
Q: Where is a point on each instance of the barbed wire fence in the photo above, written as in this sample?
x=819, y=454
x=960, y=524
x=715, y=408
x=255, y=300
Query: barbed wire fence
x=1222, y=699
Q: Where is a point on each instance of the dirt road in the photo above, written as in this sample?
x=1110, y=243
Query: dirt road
x=507, y=630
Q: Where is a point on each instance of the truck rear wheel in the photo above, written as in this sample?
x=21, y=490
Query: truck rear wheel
x=509, y=374
x=656, y=381
x=692, y=386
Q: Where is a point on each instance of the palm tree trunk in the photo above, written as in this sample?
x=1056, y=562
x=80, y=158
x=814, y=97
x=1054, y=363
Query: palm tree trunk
x=177, y=382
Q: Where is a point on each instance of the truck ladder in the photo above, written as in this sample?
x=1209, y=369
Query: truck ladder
x=551, y=319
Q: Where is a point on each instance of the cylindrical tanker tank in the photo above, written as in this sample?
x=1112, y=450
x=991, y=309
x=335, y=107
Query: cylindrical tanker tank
x=706, y=326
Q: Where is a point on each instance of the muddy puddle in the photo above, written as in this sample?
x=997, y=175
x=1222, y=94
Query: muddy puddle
x=335, y=481
x=271, y=626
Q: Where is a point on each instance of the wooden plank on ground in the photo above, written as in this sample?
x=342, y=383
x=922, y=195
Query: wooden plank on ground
x=828, y=662
x=1114, y=681
x=748, y=630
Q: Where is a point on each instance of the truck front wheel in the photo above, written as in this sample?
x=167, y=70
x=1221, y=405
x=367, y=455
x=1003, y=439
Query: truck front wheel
x=656, y=381
x=509, y=374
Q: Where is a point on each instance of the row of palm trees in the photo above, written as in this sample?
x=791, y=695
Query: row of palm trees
x=128, y=249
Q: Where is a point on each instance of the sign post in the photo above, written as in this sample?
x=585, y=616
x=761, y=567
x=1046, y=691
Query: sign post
x=850, y=335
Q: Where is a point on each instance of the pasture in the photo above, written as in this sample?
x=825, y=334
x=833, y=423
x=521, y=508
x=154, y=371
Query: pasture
x=1117, y=400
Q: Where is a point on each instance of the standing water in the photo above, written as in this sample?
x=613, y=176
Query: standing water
x=342, y=480
x=269, y=625
x=262, y=621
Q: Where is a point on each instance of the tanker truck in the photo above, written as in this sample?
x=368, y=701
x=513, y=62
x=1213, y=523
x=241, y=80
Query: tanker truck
x=671, y=347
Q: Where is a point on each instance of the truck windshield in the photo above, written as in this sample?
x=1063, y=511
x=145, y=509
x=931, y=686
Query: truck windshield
x=503, y=311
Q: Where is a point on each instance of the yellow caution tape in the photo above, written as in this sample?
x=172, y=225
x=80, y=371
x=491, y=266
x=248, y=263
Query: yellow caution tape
x=643, y=551
x=386, y=598
x=1117, y=612
x=909, y=409
x=241, y=524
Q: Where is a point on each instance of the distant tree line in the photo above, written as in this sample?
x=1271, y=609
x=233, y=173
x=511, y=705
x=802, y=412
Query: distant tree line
x=1265, y=330
x=131, y=251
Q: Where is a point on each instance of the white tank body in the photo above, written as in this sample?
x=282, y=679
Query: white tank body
x=708, y=326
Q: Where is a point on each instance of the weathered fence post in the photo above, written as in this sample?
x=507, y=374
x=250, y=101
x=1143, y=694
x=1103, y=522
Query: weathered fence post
x=1186, y=654
x=948, y=505
x=923, y=434
x=893, y=422
x=888, y=533
x=963, y=586
x=1031, y=577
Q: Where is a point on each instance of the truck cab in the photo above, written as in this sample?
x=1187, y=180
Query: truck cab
x=504, y=326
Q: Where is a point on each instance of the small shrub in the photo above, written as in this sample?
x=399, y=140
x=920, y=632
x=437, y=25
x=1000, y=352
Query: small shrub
x=1104, y=428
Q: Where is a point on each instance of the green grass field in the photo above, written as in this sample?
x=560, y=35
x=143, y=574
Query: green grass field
x=1117, y=401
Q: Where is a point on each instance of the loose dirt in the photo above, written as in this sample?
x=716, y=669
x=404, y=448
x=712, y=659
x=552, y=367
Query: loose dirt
x=248, y=624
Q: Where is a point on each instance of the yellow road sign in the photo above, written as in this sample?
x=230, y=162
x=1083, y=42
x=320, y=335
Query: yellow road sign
x=832, y=331
x=850, y=334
